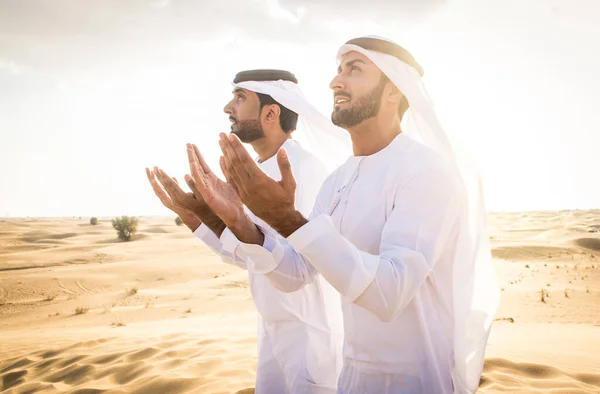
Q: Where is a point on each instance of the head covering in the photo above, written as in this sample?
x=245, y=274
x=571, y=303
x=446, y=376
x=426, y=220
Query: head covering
x=315, y=131
x=476, y=295
x=264, y=75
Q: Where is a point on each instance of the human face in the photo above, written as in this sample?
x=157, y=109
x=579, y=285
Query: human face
x=244, y=114
x=357, y=90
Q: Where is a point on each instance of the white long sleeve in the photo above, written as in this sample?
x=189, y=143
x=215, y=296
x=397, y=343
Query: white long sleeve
x=287, y=270
x=415, y=232
x=227, y=247
x=393, y=238
x=309, y=173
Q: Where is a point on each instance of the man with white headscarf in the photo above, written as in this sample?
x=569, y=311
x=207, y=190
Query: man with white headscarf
x=299, y=333
x=399, y=230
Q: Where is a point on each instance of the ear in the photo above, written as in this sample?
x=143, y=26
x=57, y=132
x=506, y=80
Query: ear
x=392, y=93
x=271, y=113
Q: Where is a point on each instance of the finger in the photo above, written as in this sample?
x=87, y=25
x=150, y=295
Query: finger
x=227, y=153
x=158, y=190
x=149, y=174
x=200, y=159
x=190, y=182
x=191, y=156
x=224, y=169
x=200, y=181
x=229, y=170
x=232, y=160
x=159, y=174
x=170, y=186
x=162, y=178
x=227, y=163
x=192, y=185
x=285, y=167
x=228, y=177
x=249, y=165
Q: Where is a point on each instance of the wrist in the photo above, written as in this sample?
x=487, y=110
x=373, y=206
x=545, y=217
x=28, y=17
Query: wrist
x=189, y=219
x=247, y=232
x=287, y=223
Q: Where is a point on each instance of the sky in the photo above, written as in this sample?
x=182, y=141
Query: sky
x=93, y=92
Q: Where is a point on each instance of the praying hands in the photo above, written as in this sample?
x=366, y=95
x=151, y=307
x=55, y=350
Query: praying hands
x=270, y=200
x=190, y=207
x=222, y=198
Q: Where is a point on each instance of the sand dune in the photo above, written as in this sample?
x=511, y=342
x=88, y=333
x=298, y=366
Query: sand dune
x=81, y=312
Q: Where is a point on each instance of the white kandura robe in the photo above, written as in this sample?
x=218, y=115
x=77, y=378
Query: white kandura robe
x=300, y=334
x=384, y=232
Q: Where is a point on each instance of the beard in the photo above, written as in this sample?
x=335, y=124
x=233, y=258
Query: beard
x=248, y=130
x=365, y=107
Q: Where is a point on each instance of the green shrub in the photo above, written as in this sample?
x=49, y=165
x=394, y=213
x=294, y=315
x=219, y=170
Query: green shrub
x=126, y=226
x=178, y=221
x=94, y=221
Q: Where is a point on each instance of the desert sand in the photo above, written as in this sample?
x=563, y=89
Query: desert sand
x=81, y=312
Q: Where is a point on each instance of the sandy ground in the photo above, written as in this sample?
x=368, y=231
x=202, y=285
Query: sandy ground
x=81, y=312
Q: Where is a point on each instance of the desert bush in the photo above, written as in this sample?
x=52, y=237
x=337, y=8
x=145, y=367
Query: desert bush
x=178, y=221
x=80, y=310
x=94, y=221
x=126, y=226
x=132, y=291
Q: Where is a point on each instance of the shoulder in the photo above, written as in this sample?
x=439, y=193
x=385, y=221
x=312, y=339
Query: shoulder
x=422, y=167
x=304, y=162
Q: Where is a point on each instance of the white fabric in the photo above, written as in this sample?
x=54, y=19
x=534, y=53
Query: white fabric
x=300, y=333
x=476, y=294
x=391, y=260
x=413, y=264
x=331, y=144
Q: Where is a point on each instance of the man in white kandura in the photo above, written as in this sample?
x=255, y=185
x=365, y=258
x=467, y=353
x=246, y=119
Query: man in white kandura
x=300, y=333
x=399, y=230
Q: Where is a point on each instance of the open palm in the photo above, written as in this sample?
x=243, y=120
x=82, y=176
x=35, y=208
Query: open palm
x=220, y=196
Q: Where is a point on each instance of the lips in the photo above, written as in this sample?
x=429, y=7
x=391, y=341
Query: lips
x=233, y=120
x=340, y=99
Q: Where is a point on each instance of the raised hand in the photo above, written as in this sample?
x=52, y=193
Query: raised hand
x=271, y=200
x=187, y=217
x=221, y=197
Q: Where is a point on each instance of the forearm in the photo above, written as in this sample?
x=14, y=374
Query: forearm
x=286, y=269
x=210, y=220
x=190, y=220
x=292, y=273
x=223, y=246
x=383, y=284
x=246, y=231
x=286, y=223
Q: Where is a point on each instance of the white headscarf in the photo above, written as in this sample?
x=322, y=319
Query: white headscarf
x=331, y=144
x=476, y=294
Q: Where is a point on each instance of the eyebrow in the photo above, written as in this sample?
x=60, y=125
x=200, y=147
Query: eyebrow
x=238, y=90
x=351, y=63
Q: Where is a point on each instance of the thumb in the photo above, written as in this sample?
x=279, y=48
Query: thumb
x=287, y=177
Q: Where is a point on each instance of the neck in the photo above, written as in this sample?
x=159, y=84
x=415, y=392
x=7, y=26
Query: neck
x=267, y=147
x=374, y=134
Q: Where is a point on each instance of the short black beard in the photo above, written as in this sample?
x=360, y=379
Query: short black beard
x=364, y=108
x=249, y=131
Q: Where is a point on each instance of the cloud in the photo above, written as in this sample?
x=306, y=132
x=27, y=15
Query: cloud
x=278, y=12
x=66, y=36
x=11, y=67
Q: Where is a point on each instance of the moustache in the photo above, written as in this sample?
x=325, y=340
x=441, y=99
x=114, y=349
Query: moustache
x=233, y=119
x=343, y=94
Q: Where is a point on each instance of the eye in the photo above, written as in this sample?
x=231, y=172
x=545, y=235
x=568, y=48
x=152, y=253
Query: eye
x=355, y=68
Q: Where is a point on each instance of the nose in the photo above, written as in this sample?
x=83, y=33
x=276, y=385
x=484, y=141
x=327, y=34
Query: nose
x=227, y=108
x=337, y=83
